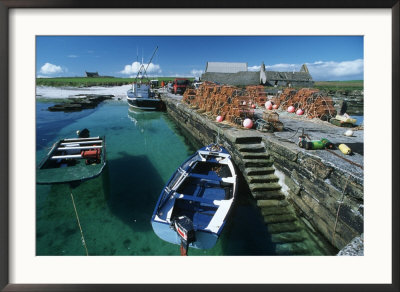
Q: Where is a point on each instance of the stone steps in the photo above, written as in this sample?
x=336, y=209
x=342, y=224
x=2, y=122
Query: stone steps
x=284, y=227
x=277, y=210
x=272, y=203
x=286, y=237
x=269, y=178
x=274, y=228
x=257, y=147
x=256, y=187
x=258, y=171
x=291, y=248
x=258, y=162
x=248, y=140
x=255, y=155
x=268, y=195
x=281, y=218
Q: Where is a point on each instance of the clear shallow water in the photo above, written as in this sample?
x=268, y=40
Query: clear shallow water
x=143, y=150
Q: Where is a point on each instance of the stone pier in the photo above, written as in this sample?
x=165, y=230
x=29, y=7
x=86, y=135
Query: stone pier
x=313, y=186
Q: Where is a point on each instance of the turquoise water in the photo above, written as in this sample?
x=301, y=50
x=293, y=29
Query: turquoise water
x=143, y=150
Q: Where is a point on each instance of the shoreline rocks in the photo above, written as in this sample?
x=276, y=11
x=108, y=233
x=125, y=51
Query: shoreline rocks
x=80, y=102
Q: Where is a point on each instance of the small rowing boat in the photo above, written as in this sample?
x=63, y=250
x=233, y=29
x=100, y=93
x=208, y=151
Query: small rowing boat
x=73, y=159
x=194, y=205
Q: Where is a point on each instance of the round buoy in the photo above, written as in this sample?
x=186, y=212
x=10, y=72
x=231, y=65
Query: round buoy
x=290, y=109
x=247, y=123
x=349, y=133
x=268, y=105
x=220, y=119
x=299, y=112
x=275, y=106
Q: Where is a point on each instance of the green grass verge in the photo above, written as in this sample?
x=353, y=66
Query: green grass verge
x=92, y=81
x=340, y=85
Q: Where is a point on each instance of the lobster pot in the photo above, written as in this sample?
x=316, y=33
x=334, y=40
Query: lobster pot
x=271, y=116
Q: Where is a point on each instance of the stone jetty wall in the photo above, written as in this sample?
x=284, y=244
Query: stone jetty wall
x=330, y=199
x=354, y=99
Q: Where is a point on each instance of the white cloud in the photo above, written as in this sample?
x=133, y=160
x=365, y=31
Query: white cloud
x=196, y=73
x=72, y=56
x=49, y=69
x=254, y=68
x=323, y=70
x=283, y=67
x=332, y=70
x=134, y=68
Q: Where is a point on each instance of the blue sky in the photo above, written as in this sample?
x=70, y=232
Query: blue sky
x=327, y=57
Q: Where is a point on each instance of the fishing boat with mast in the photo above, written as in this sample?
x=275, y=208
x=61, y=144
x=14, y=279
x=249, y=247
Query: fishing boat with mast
x=194, y=205
x=141, y=95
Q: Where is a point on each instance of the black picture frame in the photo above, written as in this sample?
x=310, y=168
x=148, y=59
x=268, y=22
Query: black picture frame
x=6, y=5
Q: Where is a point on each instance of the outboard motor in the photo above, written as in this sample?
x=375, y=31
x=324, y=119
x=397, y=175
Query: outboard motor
x=184, y=227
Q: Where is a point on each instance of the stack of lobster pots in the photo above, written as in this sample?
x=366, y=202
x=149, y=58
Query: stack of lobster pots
x=258, y=93
x=231, y=103
x=311, y=101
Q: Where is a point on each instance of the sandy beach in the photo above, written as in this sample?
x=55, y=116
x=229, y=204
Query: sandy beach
x=119, y=92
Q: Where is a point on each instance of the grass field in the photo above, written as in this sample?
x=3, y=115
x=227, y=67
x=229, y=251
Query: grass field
x=91, y=81
x=340, y=85
x=115, y=81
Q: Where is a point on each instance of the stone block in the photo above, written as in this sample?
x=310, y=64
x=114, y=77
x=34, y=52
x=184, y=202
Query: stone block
x=288, y=152
x=315, y=166
x=325, y=221
x=340, y=180
x=352, y=218
x=293, y=186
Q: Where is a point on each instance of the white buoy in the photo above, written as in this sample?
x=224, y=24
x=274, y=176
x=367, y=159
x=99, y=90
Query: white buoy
x=349, y=133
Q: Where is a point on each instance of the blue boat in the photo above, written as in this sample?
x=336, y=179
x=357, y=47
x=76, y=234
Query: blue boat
x=194, y=205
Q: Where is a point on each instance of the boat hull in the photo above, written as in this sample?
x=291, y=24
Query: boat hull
x=64, y=173
x=201, y=192
x=145, y=103
x=204, y=240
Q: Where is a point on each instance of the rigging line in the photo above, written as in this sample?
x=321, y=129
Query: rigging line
x=79, y=224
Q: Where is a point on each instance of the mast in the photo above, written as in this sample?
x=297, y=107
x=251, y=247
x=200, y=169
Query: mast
x=151, y=59
x=142, y=65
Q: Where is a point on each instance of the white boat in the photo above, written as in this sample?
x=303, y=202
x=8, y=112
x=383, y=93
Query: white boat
x=141, y=95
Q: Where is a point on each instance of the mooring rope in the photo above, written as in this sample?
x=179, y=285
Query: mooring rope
x=338, y=209
x=79, y=224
